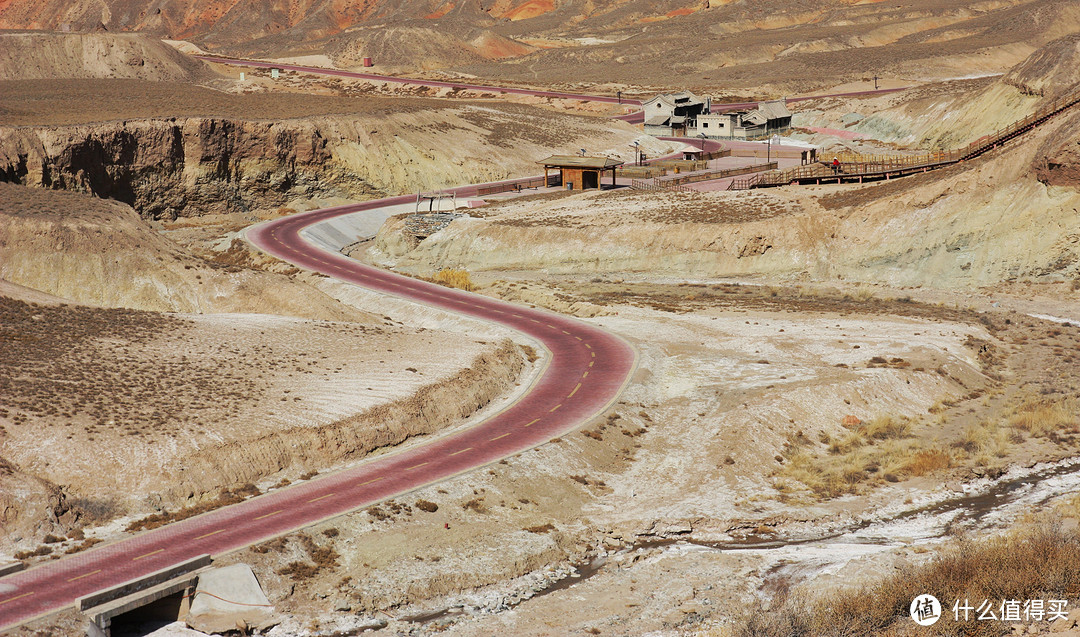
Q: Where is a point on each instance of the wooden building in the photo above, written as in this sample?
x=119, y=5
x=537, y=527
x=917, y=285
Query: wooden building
x=673, y=113
x=580, y=173
x=767, y=119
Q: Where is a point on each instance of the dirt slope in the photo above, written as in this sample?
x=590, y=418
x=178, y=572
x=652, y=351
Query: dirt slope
x=25, y=56
x=101, y=253
x=775, y=46
x=1009, y=216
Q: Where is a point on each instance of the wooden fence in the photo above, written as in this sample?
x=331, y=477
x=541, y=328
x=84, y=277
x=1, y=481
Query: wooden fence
x=517, y=185
x=856, y=166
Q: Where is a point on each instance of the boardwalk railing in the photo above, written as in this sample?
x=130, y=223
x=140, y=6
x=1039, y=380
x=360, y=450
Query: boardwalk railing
x=519, y=184
x=657, y=185
x=858, y=167
x=676, y=183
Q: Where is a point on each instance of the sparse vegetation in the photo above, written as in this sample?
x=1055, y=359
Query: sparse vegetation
x=1035, y=564
x=427, y=506
x=449, y=277
x=225, y=498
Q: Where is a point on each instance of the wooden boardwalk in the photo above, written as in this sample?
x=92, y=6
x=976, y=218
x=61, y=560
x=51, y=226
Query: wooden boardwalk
x=859, y=168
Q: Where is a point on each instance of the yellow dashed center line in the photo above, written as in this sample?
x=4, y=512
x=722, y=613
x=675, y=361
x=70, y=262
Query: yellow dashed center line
x=532, y=423
x=591, y=363
x=11, y=599
x=461, y=451
x=590, y=347
x=575, y=391
x=417, y=466
x=370, y=481
x=594, y=354
x=269, y=514
x=555, y=407
x=321, y=497
x=210, y=533
x=534, y=320
x=148, y=554
x=553, y=327
x=585, y=375
x=579, y=338
x=78, y=577
x=500, y=437
x=565, y=332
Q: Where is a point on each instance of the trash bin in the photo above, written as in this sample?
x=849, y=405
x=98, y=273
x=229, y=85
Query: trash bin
x=570, y=186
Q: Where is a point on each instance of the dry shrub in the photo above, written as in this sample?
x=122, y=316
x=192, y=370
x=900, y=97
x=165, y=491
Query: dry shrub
x=927, y=461
x=1040, y=417
x=1037, y=564
x=226, y=498
x=38, y=552
x=847, y=443
x=427, y=506
x=476, y=504
x=299, y=571
x=449, y=277
x=543, y=528
x=85, y=544
x=886, y=428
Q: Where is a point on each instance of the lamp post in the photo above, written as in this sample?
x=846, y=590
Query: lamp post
x=702, y=136
x=637, y=152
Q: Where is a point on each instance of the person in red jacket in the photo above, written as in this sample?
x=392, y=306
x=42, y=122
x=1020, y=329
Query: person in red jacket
x=836, y=165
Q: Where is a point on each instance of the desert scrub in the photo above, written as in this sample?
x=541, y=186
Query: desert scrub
x=868, y=452
x=449, y=277
x=1040, y=417
x=1035, y=564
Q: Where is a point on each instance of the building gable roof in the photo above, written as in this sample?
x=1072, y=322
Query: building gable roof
x=575, y=161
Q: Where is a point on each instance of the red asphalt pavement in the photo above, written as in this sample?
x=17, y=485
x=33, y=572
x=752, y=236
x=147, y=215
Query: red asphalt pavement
x=586, y=372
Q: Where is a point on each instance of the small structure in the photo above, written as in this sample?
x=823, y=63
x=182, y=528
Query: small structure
x=674, y=113
x=438, y=196
x=767, y=119
x=580, y=173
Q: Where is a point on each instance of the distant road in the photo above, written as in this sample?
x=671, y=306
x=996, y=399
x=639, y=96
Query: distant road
x=637, y=117
x=586, y=371
x=416, y=82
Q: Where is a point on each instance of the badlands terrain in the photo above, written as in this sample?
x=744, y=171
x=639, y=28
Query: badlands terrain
x=845, y=395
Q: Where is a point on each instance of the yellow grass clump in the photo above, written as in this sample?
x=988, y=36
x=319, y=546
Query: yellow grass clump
x=459, y=279
x=1041, y=417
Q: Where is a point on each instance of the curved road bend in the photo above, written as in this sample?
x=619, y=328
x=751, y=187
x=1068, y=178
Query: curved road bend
x=586, y=372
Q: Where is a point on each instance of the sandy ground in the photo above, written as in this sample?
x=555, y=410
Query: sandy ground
x=173, y=391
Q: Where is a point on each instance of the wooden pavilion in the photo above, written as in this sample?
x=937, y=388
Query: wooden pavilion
x=580, y=173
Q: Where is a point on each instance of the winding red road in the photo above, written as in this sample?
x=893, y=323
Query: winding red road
x=586, y=371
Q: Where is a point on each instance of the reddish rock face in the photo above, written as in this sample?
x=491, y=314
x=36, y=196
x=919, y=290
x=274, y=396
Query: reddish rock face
x=223, y=22
x=1062, y=166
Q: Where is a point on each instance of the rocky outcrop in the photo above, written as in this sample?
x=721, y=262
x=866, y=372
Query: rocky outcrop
x=101, y=253
x=171, y=168
x=1050, y=71
x=167, y=168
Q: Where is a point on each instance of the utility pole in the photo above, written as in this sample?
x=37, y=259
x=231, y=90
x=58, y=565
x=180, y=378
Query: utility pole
x=619, y=95
x=875, y=83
